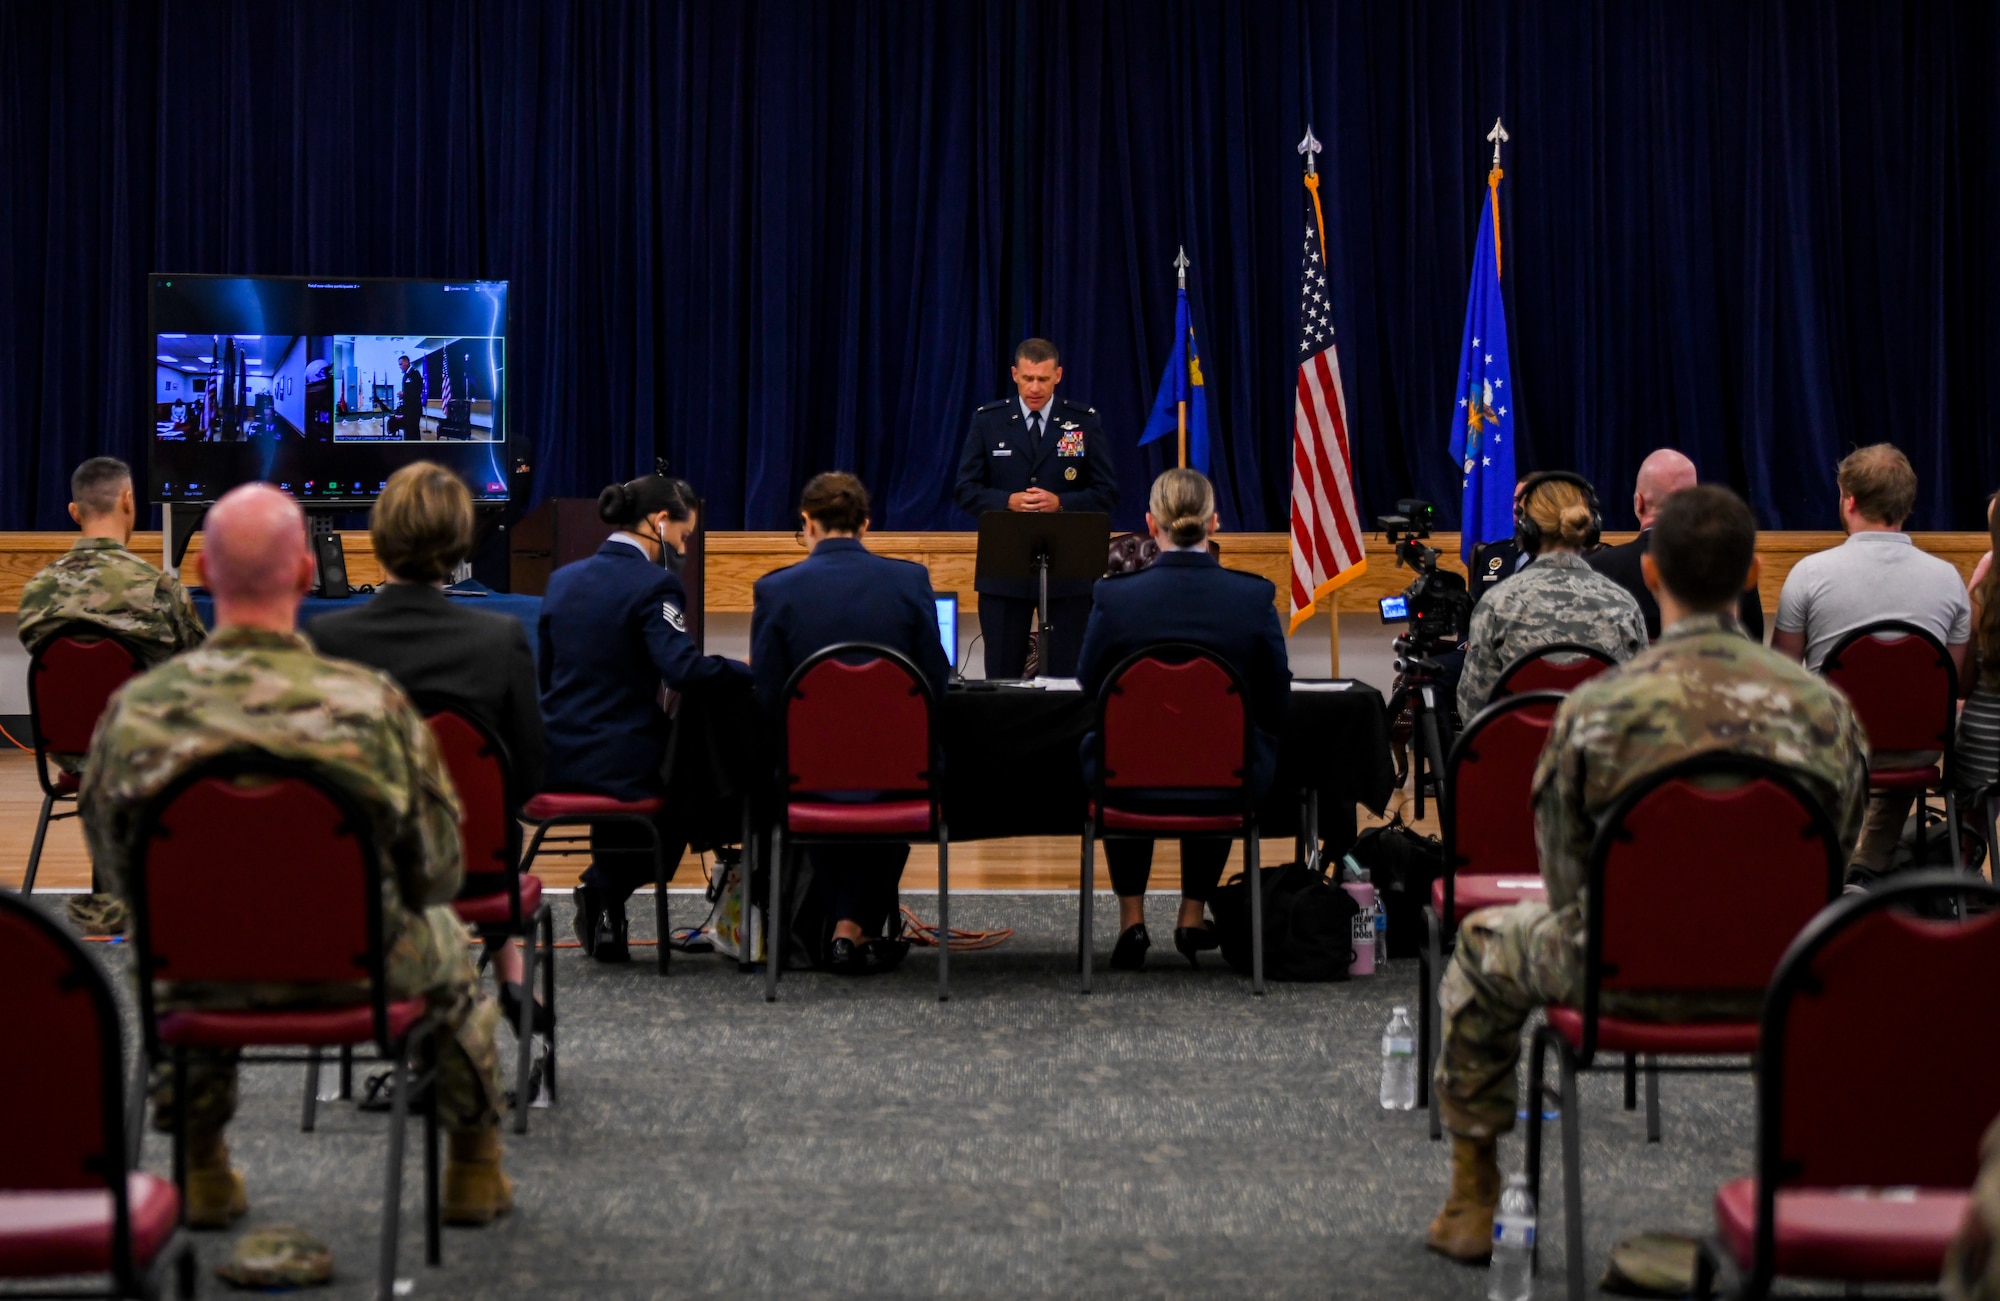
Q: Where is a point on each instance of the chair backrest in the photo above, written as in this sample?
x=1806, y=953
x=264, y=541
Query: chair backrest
x=489, y=834
x=1173, y=717
x=1902, y=682
x=1876, y=1067
x=253, y=870
x=1562, y=666
x=857, y=719
x=1701, y=875
x=1489, y=814
x=70, y=680
x=64, y=1089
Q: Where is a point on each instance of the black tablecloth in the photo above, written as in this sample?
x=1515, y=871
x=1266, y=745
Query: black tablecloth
x=1013, y=765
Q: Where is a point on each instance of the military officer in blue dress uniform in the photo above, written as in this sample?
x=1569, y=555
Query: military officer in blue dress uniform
x=1034, y=452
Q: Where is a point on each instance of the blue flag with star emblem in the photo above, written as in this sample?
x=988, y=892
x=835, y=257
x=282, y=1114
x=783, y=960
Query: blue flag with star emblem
x=1181, y=382
x=1482, y=429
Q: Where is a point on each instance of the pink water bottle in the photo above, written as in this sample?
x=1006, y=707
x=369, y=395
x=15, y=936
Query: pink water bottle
x=1363, y=893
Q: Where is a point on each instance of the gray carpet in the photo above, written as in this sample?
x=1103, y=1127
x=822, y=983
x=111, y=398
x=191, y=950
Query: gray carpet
x=1167, y=1136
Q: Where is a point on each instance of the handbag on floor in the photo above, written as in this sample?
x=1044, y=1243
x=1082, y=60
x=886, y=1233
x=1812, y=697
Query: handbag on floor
x=1308, y=924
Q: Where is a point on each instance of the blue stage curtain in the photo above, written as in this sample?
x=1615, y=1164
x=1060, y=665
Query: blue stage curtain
x=767, y=238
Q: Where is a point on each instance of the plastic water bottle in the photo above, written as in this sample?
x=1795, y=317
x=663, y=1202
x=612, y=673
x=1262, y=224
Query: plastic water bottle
x=1381, y=935
x=1511, y=1276
x=1399, y=1063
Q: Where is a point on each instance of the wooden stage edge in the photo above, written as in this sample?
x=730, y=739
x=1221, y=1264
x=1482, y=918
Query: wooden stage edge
x=736, y=560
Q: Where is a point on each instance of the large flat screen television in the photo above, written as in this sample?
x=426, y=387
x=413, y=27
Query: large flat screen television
x=325, y=387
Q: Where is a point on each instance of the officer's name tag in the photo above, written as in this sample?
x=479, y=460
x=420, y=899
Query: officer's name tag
x=1003, y=451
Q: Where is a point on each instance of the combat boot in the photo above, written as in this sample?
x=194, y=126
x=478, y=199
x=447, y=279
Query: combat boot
x=476, y=1190
x=215, y=1194
x=1463, y=1230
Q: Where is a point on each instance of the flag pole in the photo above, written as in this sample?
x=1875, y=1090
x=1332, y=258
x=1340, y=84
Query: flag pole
x=1180, y=267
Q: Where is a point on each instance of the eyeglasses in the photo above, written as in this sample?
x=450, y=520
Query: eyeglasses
x=799, y=536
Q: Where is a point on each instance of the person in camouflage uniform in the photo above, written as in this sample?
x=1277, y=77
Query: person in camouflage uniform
x=1972, y=1266
x=1705, y=689
x=258, y=686
x=1557, y=598
x=99, y=582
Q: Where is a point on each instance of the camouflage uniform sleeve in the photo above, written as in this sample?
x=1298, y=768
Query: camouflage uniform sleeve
x=1563, y=829
x=181, y=615
x=1482, y=661
x=427, y=849
x=1636, y=639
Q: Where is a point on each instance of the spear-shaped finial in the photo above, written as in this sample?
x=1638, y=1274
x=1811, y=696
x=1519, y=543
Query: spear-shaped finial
x=1309, y=147
x=1181, y=265
x=1498, y=135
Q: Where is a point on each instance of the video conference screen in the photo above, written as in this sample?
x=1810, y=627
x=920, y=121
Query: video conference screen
x=325, y=387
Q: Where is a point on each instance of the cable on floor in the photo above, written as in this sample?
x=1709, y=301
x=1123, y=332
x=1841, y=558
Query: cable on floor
x=924, y=935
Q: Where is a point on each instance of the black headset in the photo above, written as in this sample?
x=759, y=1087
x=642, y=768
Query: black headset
x=1528, y=534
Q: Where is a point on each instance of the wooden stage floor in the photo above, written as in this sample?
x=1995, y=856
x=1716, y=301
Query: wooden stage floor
x=1027, y=863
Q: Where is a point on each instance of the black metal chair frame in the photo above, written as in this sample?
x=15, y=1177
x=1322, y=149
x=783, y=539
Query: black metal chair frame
x=419, y=1041
x=79, y=630
x=785, y=841
x=1572, y=1063
x=1794, y=978
x=1947, y=742
x=578, y=846
x=1170, y=652
x=120, y=1152
x=1500, y=687
x=1431, y=959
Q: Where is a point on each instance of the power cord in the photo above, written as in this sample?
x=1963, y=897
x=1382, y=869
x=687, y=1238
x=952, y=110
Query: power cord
x=924, y=935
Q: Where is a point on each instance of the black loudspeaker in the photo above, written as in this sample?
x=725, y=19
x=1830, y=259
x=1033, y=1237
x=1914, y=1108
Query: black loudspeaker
x=332, y=562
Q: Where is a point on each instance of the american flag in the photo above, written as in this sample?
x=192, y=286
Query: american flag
x=445, y=395
x=1326, y=521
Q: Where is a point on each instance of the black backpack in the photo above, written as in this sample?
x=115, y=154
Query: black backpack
x=1402, y=865
x=1308, y=924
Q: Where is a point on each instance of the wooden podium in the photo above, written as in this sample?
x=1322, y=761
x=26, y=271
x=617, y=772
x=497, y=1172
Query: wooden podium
x=563, y=530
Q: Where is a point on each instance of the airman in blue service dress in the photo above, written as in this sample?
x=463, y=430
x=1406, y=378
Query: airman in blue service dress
x=1005, y=453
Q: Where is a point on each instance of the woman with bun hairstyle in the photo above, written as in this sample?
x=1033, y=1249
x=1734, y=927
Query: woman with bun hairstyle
x=1558, y=597
x=613, y=628
x=1186, y=596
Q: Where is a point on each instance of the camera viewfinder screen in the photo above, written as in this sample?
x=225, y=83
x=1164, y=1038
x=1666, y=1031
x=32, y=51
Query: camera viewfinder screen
x=1395, y=609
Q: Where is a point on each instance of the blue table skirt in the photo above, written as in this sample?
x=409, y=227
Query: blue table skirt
x=527, y=609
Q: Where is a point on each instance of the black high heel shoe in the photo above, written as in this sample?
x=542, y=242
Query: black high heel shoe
x=1191, y=940
x=1130, y=952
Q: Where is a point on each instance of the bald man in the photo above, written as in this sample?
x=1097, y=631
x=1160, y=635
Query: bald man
x=1661, y=475
x=257, y=686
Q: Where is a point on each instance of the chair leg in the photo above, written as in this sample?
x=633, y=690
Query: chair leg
x=745, y=869
x=392, y=1192
x=1572, y=1175
x=310, y=1112
x=524, y=1034
x=660, y=922
x=944, y=913
x=1951, y=828
x=774, y=923
x=346, y=1072
x=180, y=1127
x=1652, y=1098
x=433, y=1210
x=1084, y=957
x=135, y=1110
x=35, y=854
x=1531, y=1162
x=1256, y=879
x=1631, y=1081
x=548, y=924
x=1433, y=1014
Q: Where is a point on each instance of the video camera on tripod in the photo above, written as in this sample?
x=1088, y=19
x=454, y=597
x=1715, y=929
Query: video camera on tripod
x=1436, y=605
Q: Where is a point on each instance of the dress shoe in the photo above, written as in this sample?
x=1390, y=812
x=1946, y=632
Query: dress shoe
x=589, y=912
x=1129, y=954
x=476, y=1190
x=613, y=943
x=883, y=956
x=843, y=958
x=1191, y=940
x=215, y=1194
x=510, y=1008
x=1463, y=1230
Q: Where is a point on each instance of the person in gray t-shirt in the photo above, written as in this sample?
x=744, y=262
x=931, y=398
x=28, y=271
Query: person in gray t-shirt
x=1877, y=574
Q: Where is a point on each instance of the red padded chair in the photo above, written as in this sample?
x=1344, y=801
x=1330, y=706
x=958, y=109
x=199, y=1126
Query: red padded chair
x=1700, y=877
x=70, y=1201
x=232, y=856
x=1488, y=819
x=1851, y=1184
x=1175, y=719
x=1904, y=688
x=1562, y=666
x=552, y=809
x=70, y=679
x=857, y=738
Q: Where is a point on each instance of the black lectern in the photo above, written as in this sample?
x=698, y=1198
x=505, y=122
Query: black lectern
x=1022, y=546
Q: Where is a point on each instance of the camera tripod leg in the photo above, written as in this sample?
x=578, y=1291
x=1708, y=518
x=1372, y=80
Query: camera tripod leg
x=1431, y=754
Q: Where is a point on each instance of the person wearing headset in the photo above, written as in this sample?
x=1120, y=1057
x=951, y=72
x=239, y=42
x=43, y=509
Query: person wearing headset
x=1557, y=597
x=613, y=628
